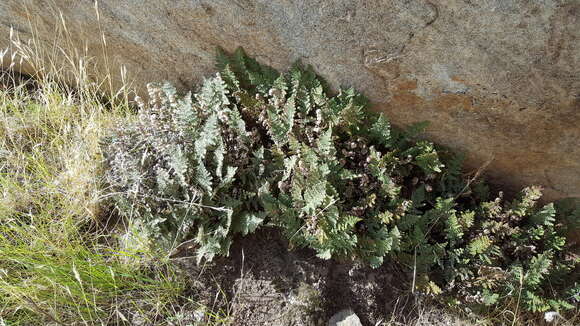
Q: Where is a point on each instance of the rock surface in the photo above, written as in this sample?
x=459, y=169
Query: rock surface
x=498, y=79
x=345, y=317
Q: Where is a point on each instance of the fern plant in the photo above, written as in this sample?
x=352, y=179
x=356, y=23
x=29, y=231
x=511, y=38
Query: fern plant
x=337, y=170
x=187, y=166
x=505, y=251
x=255, y=147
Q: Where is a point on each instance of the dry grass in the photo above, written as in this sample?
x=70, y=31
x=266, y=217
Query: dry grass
x=55, y=268
x=58, y=264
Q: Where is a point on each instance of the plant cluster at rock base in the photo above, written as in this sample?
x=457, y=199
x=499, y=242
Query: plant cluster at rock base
x=188, y=165
x=255, y=147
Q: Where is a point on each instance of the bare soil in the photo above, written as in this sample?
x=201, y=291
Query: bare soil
x=262, y=282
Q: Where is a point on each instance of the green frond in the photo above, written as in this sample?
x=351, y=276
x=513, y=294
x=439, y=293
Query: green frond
x=380, y=131
x=479, y=245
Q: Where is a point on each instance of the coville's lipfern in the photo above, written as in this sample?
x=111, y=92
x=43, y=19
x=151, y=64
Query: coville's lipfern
x=185, y=167
x=258, y=147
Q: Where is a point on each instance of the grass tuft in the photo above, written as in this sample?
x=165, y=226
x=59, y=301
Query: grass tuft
x=64, y=259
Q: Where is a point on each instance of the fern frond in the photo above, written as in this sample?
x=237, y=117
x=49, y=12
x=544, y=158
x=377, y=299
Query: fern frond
x=380, y=131
x=546, y=216
x=479, y=245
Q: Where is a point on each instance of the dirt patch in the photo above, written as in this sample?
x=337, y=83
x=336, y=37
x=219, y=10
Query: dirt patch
x=264, y=283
